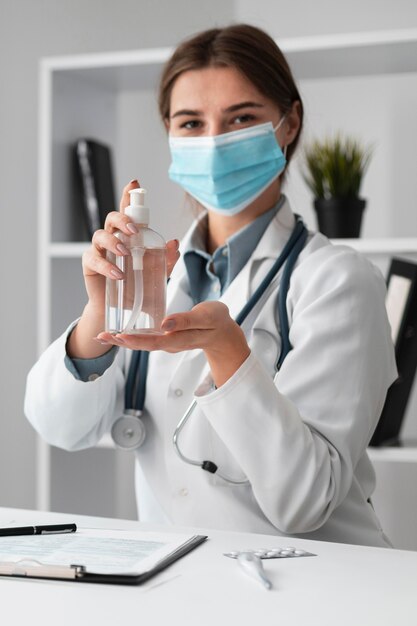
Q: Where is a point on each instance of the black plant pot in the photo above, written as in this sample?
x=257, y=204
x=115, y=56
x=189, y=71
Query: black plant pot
x=340, y=217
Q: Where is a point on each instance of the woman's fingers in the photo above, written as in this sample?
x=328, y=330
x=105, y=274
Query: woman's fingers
x=94, y=260
x=103, y=240
x=204, y=316
x=207, y=326
x=173, y=254
x=168, y=342
x=193, y=329
x=94, y=263
x=119, y=221
x=181, y=330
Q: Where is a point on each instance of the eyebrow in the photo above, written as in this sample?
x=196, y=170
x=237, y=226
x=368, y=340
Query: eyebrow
x=234, y=107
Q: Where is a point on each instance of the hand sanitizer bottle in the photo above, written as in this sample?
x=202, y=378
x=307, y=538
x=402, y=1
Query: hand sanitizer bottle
x=137, y=303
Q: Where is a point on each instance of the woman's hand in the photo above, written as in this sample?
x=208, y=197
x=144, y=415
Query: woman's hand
x=207, y=326
x=96, y=268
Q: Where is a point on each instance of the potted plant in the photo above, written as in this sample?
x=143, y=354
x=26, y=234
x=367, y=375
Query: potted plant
x=335, y=168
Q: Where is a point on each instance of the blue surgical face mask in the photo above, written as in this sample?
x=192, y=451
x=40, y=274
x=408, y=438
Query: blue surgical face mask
x=225, y=173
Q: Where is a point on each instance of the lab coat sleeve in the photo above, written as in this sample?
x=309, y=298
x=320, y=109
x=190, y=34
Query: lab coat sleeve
x=68, y=412
x=299, y=437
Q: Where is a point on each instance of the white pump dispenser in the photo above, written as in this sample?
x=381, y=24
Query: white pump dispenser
x=136, y=303
x=137, y=208
x=140, y=215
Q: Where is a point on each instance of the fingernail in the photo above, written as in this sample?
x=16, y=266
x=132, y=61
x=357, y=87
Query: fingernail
x=103, y=342
x=122, y=248
x=116, y=273
x=177, y=243
x=134, y=180
x=119, y=340
x=169, y=325
x=132, y=227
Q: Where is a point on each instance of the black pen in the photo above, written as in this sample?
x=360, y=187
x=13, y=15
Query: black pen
x=49, y=529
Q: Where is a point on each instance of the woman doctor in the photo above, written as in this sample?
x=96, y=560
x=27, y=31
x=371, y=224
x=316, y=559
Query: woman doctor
x=295, y=438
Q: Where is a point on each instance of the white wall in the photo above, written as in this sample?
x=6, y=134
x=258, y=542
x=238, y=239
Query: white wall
x=29, y=30
x=296, y=18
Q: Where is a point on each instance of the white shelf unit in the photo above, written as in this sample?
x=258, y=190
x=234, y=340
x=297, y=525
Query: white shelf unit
x=111, y=97
x=406, y=454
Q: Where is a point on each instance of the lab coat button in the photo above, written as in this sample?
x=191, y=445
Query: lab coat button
x=178, y=392
x=93, y=377
x=184, y=491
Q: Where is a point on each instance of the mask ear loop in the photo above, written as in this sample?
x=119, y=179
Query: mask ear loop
x=277, y=127
x=280, y=123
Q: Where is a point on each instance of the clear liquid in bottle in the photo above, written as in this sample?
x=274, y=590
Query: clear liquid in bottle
x=137, y=303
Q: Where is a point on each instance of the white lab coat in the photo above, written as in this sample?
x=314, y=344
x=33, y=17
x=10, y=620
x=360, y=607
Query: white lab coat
x=299, y=435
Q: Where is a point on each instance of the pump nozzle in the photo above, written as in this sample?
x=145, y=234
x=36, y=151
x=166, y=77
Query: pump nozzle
x=137, y=209
x=137, y=196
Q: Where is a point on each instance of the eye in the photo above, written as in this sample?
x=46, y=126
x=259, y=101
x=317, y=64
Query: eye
x=245, y=118
x=191, y=124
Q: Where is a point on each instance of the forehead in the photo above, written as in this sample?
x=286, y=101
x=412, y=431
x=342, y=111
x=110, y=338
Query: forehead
x=212, y=86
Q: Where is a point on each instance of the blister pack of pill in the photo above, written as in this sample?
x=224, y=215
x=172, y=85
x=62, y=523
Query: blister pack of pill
x=272, y=553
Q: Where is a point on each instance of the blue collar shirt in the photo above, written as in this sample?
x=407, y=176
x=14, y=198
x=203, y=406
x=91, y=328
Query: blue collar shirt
x=209, y=275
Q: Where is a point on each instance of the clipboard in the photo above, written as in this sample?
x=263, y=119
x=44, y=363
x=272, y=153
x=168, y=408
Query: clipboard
x=30, y=568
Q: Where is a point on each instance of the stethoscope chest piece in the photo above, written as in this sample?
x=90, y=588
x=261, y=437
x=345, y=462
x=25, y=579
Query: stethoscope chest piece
x=128, y=431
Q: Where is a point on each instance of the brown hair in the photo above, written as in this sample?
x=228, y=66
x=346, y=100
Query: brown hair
x=244, y=47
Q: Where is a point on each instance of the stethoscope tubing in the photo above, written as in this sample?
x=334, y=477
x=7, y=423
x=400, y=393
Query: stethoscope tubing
x=203, y=464
x=289, y=255
x=136, y=385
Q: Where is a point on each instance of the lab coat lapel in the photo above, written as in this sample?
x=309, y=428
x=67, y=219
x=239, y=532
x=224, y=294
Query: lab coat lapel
x=266, y=252
x=179, y=297
x=276, y=235
x=179, y=300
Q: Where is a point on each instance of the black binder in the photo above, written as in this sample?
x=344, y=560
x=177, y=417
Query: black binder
x=388, y=429
x=94, y=181
x=79, y=574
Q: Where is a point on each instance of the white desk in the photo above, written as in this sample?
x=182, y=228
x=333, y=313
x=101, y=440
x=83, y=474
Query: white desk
x=343, y=585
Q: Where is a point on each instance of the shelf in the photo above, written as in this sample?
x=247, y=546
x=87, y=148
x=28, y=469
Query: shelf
x=352, y=54
x=400, y=454
x=68, y=250
x=324, y=56
x=115, y=71
x=406, y=245
x=399, y=245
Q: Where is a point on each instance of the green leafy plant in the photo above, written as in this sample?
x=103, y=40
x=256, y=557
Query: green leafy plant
x=335, y=167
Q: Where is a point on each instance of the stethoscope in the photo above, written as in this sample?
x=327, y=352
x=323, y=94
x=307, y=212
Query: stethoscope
x=128, y=431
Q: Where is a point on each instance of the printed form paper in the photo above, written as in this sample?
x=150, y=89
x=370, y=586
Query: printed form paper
x=99, y=551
